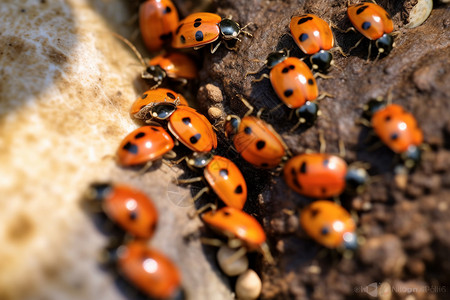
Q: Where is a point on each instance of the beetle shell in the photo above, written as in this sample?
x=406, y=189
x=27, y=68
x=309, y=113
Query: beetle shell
x=293, y=82
x=235, y=223
x=144, y=144
x=370, y=19
x=143, y=104
x=196, y=30
x=329, y=224
x=227, y=181
x=149, y=270
x=316, y=175
x=158, y=20
x=311, y=33
x=396, y=128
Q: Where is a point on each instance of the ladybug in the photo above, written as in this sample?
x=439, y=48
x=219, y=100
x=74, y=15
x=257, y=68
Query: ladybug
x=149, y=270
x=238, y=225
x=222, y=176
x=143, y=105
x=200, y=29
x=256, y=141
x=158, y=20
x=329, y=224
x=314, y=37
x=126, y=206
x=295, y=85
x=397, y=129
x=372, y=21
x=187, y=125
x=145, y=145
x=176, y=66
x=321, y=175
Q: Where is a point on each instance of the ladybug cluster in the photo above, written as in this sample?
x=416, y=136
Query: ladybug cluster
x=171, y=123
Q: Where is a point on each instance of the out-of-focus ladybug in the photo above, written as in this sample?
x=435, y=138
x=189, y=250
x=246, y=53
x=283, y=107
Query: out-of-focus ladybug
x=125, y=206
x=372, y=21
x=142, y=107
x=321, y=175
x=222, y=176
x=158, y=20
x=145, y=145
x=329, y=224
x=396, y=128
x=187, y=125
x=200, y=29
x=149, y=270
x=242, y=230
x=314, y=37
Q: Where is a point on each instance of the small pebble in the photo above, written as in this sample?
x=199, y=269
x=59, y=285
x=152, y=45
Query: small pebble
x=214, y=112
x=248, y=285
x=233, y=268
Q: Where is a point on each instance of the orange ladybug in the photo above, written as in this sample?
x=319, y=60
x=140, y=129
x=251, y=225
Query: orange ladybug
x=187, y=125
x=329, y=224
x=149, y=270
x=223, y=177
x=321, y=175
x=158, y=20
x=200, y=29
x=372, y=21
x=176, y=66
x=126, y=206
x=143, y=105
x=256, y=141
x=314, y=37
x=144, y=145
x=295, y=85
x=238, y=225
x=397, y=129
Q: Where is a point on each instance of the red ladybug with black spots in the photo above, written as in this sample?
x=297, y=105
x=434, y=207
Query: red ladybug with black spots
x=142, y=107
x=372, y=21
x=200, y=29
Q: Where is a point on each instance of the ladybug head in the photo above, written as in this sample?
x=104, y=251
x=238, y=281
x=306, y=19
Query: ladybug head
x=307, y=113
x=199, y=160
x=155, y=73
x=232, y=124
x=229, y=29
x=411, y=156
x=162, y=111
x=97, y=192
x=385, y=43
x=321, y=61
x=372, y=107
x=350, y=241
x=277, y=57
x=356, y=179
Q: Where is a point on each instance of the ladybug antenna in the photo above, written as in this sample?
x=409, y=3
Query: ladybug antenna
x=132, y=47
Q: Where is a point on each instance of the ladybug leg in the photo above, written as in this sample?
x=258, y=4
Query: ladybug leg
x=200, y=193
x=261, y=78
x=323, y=95
x=189, y=180
x=236, y=255
x=248, y=105
x=266, y=253
x=214, y=48
x=211, y=242
x=170, y=155
x=370, y=52
x=355, y=46
x=145, y=168
x=246, y=32
x=321, y=75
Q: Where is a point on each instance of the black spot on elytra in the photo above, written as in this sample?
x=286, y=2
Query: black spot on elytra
x=155, y=129
x=303, y=20
x=199, y=36
x=361, y=9
x=139, y=135
x=303, y=168
x=324, y=190
x=387, y=118
x=310, y=81
x=144, y=96
x=285, y=70
x=303, y=37
x=288, y=92
x=167, y=10
x=178, y=28
x=293, y=172
x=264, y=165
x=196, y=24
x=314, y=212
x=186, y=120
x=226, y=214
x=133, y=215
x=365, y=25
x=198, y=20
x=394, y=136
x=260, y=145
x=165, y=37
x=194, y=139
x=170, y=95
x=238, y=189
x=291, y=67
x=182, y=39
x=223, y=173
x=324, y=231
x=132, y=148
x=248, y=130
x=296, y=183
